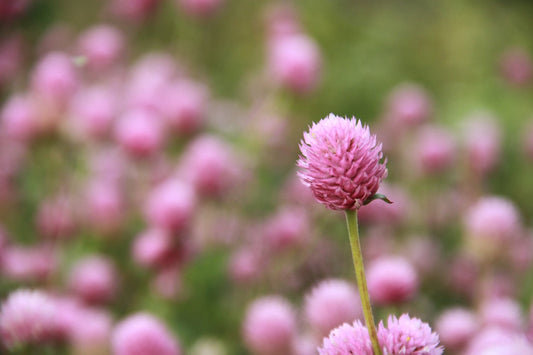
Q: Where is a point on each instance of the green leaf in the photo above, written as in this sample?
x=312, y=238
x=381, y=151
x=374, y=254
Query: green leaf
x=377, y=197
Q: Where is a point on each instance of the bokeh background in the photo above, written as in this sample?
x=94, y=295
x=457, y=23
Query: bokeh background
x=432, y=79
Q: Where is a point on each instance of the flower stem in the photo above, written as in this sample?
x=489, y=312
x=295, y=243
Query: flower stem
x=357, y=256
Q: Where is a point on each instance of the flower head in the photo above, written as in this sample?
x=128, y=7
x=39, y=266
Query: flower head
x=409, y=336
x=331, y=303
x=270, y=326
x=27, y=317
x=347, y=340
x=341, y=162
x=142, y=333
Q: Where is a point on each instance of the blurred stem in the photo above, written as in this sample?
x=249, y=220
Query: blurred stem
x=357, y=256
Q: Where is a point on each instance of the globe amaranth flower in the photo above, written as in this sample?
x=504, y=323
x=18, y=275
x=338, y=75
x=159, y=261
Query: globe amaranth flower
x=347, y=340
x=408, y=336
x=341, y=162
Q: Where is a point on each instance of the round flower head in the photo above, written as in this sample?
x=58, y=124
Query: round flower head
x=94, y=279
x=143, y=334
x=347, y=340
x=502, y=312
x=102, y=45
x=269, y=326
x=456, y=326
x=341, y=162
x=408, y=336
x=330, y=304
x=499, y=341
x=492, y=222
x=26, y=317
x=391, y=280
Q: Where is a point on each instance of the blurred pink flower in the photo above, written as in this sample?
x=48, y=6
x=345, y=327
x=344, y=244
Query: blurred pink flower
x=409, y=104
x=153, y=248
x=516, y=66
x=434, y=150
x=94, y=279
x=54, y=78
x=245, y=265
x=288, y=228
x=295, y=62
x=456, y=326
x=331, y=303
x=55, y=217
x=92, y=112
x=211, y=166
x=171, y=206
x=143, y=333
x=269, y=327
x=482, y=143
x=502, y=312
x=35, y=263
x=184, y=106
x=341, y=162
x=391, y=280
x=139, y=133
x=499, y=341
x=407, y=335
x=27, y=317
x=347, y=340
x=20, y=118
x=102, y=46
x=104, y=206
x=492, y=222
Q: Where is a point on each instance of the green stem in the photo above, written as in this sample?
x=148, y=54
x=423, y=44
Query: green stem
x=353, y=232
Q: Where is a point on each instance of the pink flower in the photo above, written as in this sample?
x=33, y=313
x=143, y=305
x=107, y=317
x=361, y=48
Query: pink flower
x=55, y=78
x=493, y=219
x=143, y=334
x=90, y=333
x=341, y=162
x=19, y=118
x=391, y=280
x=499, y=341
x=245, y=265
x=92, y=111
x=153, y=248
x=408, y=336
x=295, y=62
x=502, y=312
x=409, y=104
x=434, y=150
x=27, y=317
x=55, y=218
x=171, y=206
x=140, y=133
x=456, y=326
x=104, y=206
x=347, y=340
x=211, y=166
x=517, y=67
x=102, y=45
x=287, y=228
x=35, y=263
x=331, y=303
x=482, y=141
x=270, y=326
x=94, y=279
x=184, y=106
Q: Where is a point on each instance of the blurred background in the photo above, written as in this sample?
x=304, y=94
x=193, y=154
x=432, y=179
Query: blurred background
x=148, y=151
